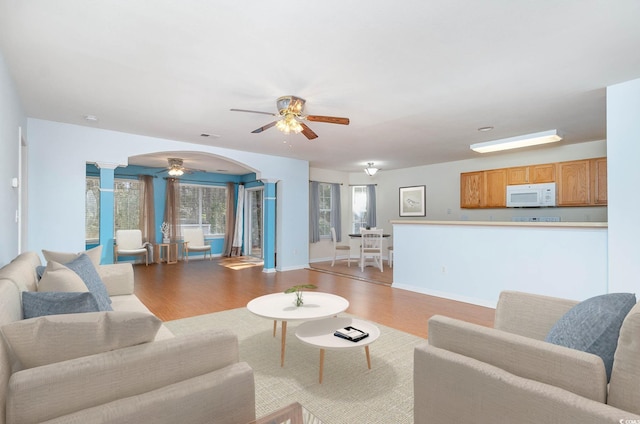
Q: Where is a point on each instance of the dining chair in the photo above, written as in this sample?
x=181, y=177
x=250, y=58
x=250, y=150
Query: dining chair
x=390, y=249
x=371, y=247
x=129, y=243
x=193, y=239
x=339, y=247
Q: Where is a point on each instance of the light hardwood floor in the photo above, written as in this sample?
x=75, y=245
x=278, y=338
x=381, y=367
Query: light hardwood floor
x=202, y=286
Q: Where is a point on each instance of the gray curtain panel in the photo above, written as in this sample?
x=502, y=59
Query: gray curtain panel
x=336, y=217
x=314, y=211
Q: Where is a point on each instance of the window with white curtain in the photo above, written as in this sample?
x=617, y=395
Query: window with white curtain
x=359, y=207
x=203, y=206
x=324, y=218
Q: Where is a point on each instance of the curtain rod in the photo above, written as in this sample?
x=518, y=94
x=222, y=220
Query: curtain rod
x=323, y=182
x=358, y=185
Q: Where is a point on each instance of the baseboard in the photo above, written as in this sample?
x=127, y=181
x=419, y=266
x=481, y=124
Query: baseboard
x=446, y=295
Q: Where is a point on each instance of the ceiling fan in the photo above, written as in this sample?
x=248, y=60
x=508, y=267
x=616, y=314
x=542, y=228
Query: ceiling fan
x=177, y=169
x=290, y=113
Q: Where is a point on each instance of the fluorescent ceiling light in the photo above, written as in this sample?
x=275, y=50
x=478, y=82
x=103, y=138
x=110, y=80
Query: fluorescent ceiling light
x=517, y=142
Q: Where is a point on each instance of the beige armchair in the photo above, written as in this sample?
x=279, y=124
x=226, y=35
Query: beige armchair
x=129, y=243
x=194, y=242
x=509, y=374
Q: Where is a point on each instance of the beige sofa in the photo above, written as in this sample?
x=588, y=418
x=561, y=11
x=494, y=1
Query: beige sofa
x=188, y=379
x=467, y=373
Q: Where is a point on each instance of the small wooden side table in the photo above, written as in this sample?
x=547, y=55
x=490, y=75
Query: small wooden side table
x=169, y=254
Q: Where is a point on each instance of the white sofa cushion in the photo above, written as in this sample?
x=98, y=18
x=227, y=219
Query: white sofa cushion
x=49, y=339
x=59, y=278
x=94, y=254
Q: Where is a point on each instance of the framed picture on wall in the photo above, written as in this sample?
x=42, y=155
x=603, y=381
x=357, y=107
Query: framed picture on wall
x=412, y=201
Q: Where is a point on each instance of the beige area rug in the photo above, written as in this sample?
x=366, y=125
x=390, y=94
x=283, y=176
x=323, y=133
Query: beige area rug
x=350, y=393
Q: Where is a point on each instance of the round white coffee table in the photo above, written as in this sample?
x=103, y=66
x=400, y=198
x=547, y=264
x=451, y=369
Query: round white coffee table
x=320, y=334
x=281, y=307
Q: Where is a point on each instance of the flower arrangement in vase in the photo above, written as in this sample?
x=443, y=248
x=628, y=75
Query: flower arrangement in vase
x=298, y=291
x=165, y=230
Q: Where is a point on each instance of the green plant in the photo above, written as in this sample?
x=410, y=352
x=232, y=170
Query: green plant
x=298, y=291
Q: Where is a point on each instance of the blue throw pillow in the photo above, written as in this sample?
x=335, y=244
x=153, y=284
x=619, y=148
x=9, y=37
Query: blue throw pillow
x=594, y=326
x=37, y=304
x=83, y=266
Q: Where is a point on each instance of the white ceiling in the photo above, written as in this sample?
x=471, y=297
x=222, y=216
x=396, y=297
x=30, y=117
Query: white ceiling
x=417, y=78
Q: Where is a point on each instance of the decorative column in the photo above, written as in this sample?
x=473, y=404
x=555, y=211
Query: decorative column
x=269, y=226
x=106, y=210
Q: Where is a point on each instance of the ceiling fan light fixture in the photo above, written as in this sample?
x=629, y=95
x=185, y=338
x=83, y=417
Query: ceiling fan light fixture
x=176, y=172
x=289, y=124
x=517, y=142
x=370, y=170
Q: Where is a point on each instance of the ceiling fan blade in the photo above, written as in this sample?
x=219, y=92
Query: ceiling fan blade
x=308, y=132
x=328, y=119
x=264, y=127
x=253, y=111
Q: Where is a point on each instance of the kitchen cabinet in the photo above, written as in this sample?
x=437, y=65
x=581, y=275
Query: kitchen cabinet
x=471, y=189
x=599, y=181
x=533, y=174
x=574, y=183
x=578, y=183
x=518, y=175
x=495, y=188
x=545, y=173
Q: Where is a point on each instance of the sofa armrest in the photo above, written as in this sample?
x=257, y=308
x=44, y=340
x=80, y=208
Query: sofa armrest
x=66, y=387
x=624, y=387
x=452, y=388
x=118, y=278
x=529, y=315
x=573, y=370
x=226, y=395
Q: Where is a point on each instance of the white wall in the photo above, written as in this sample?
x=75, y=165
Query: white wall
x=58, y=156
x=623, y=136
x=474, y=263
x=11, y=118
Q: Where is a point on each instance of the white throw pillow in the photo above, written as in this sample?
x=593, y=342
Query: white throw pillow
x=54, y=338
x=59, y=278
x=94, y=254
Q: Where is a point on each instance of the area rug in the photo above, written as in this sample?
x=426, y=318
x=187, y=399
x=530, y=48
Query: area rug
x=350, y=392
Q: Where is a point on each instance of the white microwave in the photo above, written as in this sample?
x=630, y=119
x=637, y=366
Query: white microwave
x=531, y=195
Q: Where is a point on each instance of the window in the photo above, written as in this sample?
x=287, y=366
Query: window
x=324, y=217
x=359, y=207
x=125, y=209
x=92, y=210
x=126, y=213
x=203, y=207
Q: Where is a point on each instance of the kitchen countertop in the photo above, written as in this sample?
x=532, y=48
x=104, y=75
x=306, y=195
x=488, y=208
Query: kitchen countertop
x=505, y=223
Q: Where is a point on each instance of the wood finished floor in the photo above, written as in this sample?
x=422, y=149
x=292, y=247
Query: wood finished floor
x=202, y=286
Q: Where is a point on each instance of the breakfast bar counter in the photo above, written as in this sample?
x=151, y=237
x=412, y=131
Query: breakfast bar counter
x=473, y=261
